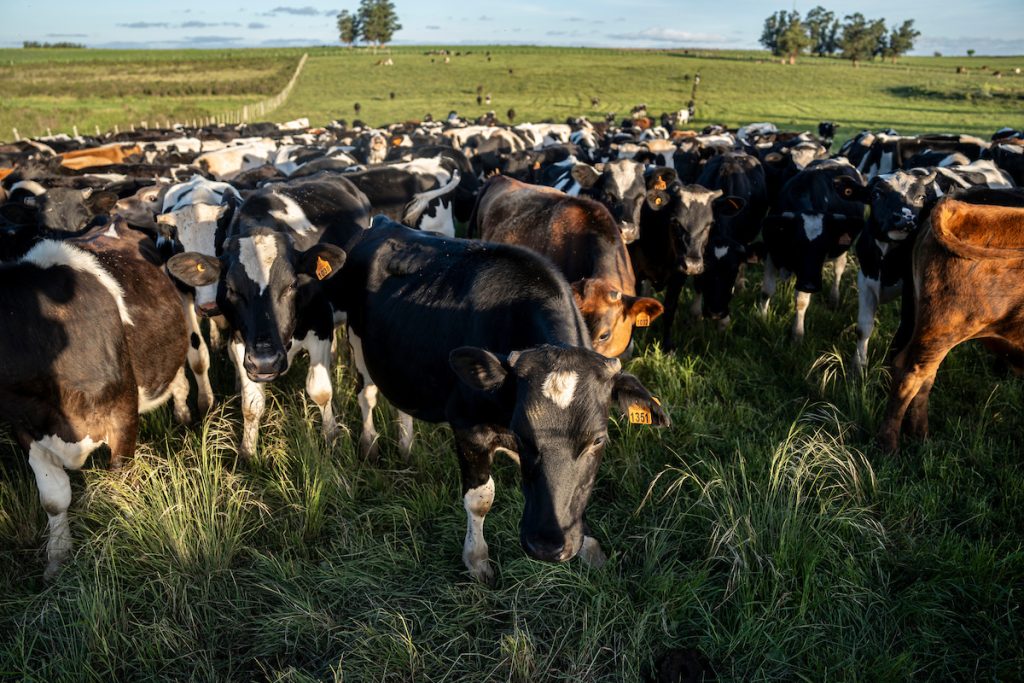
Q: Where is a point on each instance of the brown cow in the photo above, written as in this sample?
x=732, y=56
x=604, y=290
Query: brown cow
x=107, y=155
x=967, y=285
x=580, y=236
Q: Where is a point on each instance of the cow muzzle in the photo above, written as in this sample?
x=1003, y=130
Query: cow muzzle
x=548, y=550
x=263, y=363
x=691, y=266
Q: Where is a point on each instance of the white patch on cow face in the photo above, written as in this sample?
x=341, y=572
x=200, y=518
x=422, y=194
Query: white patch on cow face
x=813, y=225
x=197, y=228
x=293, y=216
x=111, y=232
x=688, y=198
x=623, y=176
x=257, y=255
x=1012, y=149
x=560, y=387
x=720, y=252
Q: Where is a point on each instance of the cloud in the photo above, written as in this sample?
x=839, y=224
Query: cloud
x=668, y=35
x=331, y=12
x=256, y=25
x=958, y=45
x=287, y=42
x=557, y=33
x=146, y=24
x=67, y=35
x=484, y=17
x=432, y=28
x=207, y=24
x=210, y=40
x=306, y=11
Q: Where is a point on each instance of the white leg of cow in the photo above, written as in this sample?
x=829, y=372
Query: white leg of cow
x=768, y=285
x=367, y=398
x=55, y=496
x=253, y=403
x=478, y=503
x=219, y=332
x=179, y=396
x=803, y=300
x=867, y=307
x=318, y=384
x=198, y=358
x=591, y=553
x=840, y=268
x=697, y=307
x=405, y=434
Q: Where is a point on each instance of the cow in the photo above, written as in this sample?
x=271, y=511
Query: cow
x=619, y=185
x=98, y=339
x=898, y=201
x=286, y=240
x=811, y=223
x=966, y=274
x=486, y=338
x=1008, y=154
x=740, y=179
x=416, y=198
x=141, y=209
x=62, y=210
x=580, y=237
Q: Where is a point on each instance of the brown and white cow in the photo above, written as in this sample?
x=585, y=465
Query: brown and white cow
x=583, y=240
x=967, y=285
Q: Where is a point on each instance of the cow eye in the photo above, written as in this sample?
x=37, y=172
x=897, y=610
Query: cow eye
x=599, y=441
x=151, y=198
x=605, y=337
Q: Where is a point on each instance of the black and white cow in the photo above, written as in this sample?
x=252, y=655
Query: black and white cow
x=899, y=203
x=62, y=210
x=487, y=338
x=619, y=185
x=415, y=195
x=286, y=240
x=811, y=223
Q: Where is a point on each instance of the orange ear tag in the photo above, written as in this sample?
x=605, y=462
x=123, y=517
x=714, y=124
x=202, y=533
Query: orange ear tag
x=536, y=166
x=323, y=268
x=659, y=183
x=640, y=415
x=642, y=320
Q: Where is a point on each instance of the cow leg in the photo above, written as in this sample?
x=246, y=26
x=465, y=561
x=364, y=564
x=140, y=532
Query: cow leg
x=697, y=306
x=839, y=265
x=867, y=306
x=591, y=553
x=405, y=434
x=318, y=383
x=803, y=300
x=219, y=332
x=914, y=369
x=367, y=397
x=673, y=291
x=477, y=498
x=179, y=395
x=768, y=285
x=916, y=424
x=253, y=403
x=198, y=357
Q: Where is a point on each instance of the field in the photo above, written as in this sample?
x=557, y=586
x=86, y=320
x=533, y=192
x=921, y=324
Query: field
x=86, y=88
x=764, y=528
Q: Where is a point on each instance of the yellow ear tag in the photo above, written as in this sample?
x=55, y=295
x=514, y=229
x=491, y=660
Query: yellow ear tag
x=640, y=415
x=200, y=267
x=323, y=268
x=657, y=201
x=642, y=320
x=536, y=165
x=659, y=183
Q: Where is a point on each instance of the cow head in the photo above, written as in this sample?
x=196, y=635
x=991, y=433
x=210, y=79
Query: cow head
x=693, y=211
x=18, y=230
x=611, y=315
x=141, y=208
x=65, y=209
x=559, y=398
x=620, y=186
x=896, y=201
x=262, y=282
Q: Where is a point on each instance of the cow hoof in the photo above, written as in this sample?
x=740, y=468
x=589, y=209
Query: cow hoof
x=482, y=572
x=369, y=449
x=888, y=441
x=797, y=337
x=330, y=432
x=183, y=416
x=591, y=553
x=52, y=570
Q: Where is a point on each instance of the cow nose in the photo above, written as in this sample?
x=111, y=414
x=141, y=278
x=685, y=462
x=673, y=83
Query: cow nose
x=547, y=551
x=693, y=266
x=208, y=309
x=264, y=363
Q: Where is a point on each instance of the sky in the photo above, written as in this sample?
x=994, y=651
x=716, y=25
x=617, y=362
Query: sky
x=990, y=27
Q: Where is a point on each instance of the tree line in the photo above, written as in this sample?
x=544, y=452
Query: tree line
x=37, y=44
x=857, y=38
x=373, y=23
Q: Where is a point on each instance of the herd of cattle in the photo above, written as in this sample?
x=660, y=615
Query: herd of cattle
x=115, y=250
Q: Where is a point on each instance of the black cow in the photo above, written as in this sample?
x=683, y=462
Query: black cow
x=811, y=223
x=285, y=240
x=487, y=338
x=61, y=210
x=741, y=179
x=619, y=185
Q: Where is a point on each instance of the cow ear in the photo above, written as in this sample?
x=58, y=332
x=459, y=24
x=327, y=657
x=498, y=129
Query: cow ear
x=18, y=214
x=586, y=175
x=636, y=403
x=643, y=310
x=730, y=205
x=195, y=270
x=850, y=189
x=101, y=202
x=478, y=369
x=321, y=261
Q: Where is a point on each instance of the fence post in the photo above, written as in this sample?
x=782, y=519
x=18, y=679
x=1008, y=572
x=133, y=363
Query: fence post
x=74, y=129
x=17, y=138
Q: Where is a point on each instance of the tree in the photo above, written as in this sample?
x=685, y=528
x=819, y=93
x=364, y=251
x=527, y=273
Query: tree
x=901, y=40
x=822, y=29
x=774, y=25
x=970, y=53
x=794, y=38
x=861, y=39
x=378, y=21
x=348, y=27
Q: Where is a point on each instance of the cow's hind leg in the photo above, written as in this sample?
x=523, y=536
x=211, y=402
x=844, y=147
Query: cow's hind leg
x=913, y=371
x=318, y=383
x=367, y=398
x=198, y=357
x=771, y=275
x=179, y=397
x=405, y=434
x=839, y=265
x=477, y=498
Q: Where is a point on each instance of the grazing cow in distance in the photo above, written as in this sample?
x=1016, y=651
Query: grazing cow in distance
x=579, y=236
x=966, y=273
x=287, y=239
x=486, y=337
x=811, y=223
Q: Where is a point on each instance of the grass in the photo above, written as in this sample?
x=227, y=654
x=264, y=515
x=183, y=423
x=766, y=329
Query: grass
x=57, y=89
x=763, y=528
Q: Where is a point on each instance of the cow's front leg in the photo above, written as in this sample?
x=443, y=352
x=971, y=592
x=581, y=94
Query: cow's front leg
x=477, y=498
x=867, y=307
x=768, y=285
x=839, y=265
x=253, y=402
x=367, y=397
x=405, y=434
x=318, y=383
x=803, y=300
